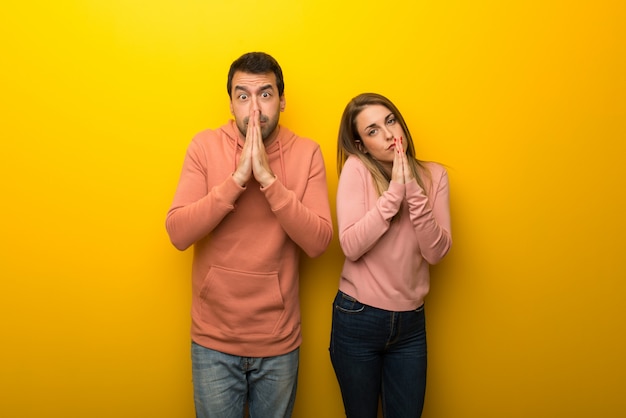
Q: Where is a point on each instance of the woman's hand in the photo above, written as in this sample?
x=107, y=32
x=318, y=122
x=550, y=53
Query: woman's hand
x=408, y=174
x=401, y=171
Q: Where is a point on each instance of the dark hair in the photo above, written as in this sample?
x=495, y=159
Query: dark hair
x=349, y=141
x=256, y=63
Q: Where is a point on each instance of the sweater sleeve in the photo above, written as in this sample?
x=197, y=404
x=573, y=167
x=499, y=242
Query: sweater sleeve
x=195, y=212
x=307, y=221
x=430, y=217
x=359, y=226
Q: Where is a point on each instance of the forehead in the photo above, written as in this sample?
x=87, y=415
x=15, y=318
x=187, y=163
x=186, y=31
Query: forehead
x=251, y=81
x=372, y=114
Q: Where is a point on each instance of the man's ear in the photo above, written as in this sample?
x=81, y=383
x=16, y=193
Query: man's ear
x=282, y=103
x=232, y=112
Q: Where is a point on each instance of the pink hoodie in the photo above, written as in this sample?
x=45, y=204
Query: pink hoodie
x=247, y=241
x=387, y=262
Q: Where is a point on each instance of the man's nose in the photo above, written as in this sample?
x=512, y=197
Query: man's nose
x=255, y=103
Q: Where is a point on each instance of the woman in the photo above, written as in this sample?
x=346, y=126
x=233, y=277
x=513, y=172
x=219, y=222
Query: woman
x=394, y=221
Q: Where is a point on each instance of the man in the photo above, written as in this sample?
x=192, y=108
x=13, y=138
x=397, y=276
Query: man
x=251, y=196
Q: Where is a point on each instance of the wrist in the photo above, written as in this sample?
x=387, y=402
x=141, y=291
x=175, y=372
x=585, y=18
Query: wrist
x=268, y=181
x=239, y=180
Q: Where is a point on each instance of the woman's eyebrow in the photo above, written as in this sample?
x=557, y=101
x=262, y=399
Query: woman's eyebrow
x=373, y=125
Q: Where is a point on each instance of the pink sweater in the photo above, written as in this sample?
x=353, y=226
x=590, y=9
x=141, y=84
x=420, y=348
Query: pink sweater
x=387, y=263
x=247, y=241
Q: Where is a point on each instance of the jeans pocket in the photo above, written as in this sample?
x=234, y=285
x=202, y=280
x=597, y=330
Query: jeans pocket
x=348, y=304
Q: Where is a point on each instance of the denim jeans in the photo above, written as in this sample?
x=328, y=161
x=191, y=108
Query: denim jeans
x=378, y=353
x=223, y=384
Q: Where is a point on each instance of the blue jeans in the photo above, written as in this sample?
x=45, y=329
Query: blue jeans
x=378, y=353
x=224, y=384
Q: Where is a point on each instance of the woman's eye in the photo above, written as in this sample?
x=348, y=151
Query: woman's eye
x=391, y=121
x=373, y=132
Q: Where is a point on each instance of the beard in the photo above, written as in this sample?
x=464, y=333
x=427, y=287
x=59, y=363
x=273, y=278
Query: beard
x=266, y=130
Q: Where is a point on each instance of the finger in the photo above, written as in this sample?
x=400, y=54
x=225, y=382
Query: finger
x=402, y=157
x=253, y=123
x=397, y=174
x=408, y=174
x=258, y=136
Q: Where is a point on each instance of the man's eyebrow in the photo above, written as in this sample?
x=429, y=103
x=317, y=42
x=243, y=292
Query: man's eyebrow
x=268, y=86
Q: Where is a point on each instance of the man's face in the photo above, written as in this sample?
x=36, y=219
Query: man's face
x=256, y=91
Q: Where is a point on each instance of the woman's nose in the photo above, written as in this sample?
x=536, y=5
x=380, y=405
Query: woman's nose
x=388, y=133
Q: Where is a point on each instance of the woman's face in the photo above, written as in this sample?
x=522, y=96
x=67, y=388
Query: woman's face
x=377, y=127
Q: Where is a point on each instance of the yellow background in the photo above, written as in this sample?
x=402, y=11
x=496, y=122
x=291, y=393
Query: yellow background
x=524, y=101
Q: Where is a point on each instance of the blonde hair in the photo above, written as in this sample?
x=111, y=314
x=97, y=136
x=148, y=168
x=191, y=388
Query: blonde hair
x=349, y=142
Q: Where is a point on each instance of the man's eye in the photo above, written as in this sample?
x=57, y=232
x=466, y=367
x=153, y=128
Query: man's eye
x=265, y=95
x=243, y=96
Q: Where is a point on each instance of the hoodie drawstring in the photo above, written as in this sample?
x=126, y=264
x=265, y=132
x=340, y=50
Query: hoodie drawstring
x=282, y=164
x=235, y=155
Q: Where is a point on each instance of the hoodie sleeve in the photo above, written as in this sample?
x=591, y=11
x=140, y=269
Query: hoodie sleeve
x=307, y=220
x=361, y=226
x=195, y=211
x=430, y=216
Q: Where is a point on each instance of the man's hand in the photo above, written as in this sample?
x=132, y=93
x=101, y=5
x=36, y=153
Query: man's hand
x=260, y=163
x=253, y=160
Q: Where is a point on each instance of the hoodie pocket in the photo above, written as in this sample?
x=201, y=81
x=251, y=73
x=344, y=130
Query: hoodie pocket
x=241, y=302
